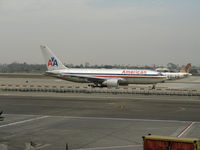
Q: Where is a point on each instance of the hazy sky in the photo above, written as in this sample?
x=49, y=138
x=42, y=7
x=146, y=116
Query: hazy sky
x=134, y=32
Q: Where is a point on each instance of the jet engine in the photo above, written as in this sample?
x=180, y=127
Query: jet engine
x=111, y=83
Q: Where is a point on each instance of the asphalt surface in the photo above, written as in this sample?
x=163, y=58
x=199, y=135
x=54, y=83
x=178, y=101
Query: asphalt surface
x=91, y=122
x=142, y=107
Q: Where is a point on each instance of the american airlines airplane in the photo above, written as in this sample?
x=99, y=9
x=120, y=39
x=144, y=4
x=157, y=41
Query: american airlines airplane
x=99, y=77
x=184, y=73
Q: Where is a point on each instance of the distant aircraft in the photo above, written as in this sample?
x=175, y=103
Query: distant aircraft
x=176, y=75
x=99, y=77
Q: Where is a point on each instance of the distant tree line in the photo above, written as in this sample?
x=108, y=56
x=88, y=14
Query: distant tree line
x=22, y=67
x=40, y=68
x=87, y=65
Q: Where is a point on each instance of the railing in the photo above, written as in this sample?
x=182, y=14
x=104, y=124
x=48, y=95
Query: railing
x=86, y=89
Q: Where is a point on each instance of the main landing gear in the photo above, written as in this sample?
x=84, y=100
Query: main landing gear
x=96, y=85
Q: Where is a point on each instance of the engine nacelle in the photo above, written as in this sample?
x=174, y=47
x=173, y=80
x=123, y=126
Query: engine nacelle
x=111, y=82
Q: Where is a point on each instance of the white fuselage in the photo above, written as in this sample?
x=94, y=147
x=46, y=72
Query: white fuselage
x=176, y=75
x=125, y=76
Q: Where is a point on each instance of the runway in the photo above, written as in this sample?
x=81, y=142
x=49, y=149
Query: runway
x=90, y=122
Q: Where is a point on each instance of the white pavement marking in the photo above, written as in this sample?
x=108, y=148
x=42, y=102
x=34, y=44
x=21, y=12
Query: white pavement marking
x=23, y=121
x=5, y=94
x=104, y=118
x=124, y=119
x=111, y=147
x=185, y=129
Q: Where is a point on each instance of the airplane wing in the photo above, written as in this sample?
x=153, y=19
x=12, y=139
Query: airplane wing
x=91, y=78
x=84, y=77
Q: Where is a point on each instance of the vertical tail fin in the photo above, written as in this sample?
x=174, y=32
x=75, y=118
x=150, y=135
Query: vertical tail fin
x=51, y=61
x=186, y=69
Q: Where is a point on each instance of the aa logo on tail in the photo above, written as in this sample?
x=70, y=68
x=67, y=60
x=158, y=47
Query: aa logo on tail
x=52, y=62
